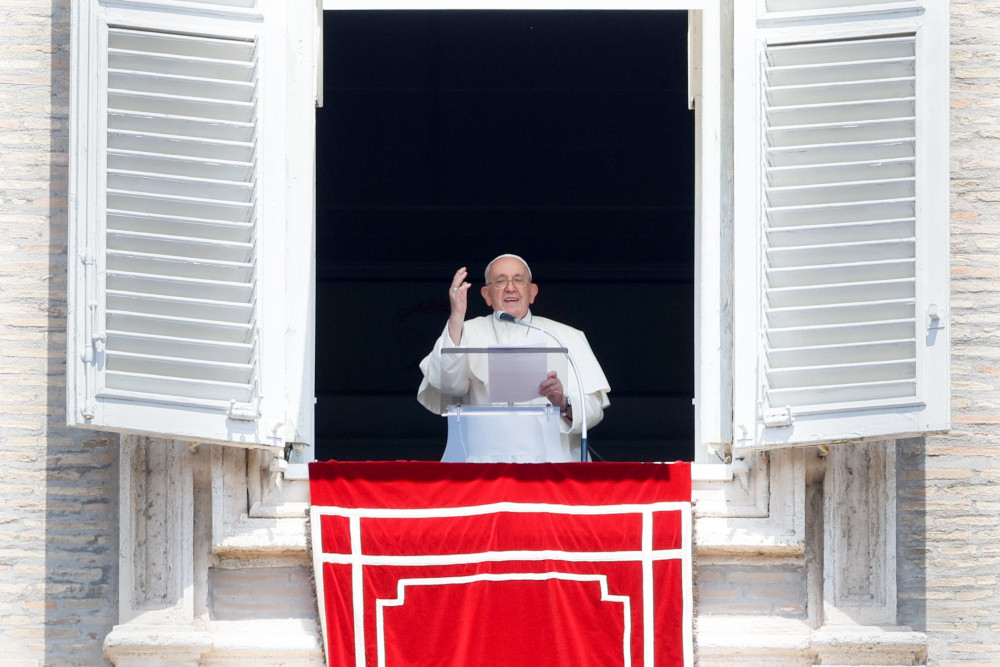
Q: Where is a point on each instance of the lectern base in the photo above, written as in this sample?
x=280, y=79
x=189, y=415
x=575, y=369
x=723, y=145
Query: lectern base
x=528, y=434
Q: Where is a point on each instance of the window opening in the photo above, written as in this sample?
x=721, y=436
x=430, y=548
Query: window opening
x=447, y=138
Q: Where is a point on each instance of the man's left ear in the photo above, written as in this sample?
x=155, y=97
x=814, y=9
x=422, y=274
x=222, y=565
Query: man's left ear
x=533, y=293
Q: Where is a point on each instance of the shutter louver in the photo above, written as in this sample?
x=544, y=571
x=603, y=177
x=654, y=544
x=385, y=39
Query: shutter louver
x=800, y=5
x=181, y=320
x=839, y=224
x=225, y=3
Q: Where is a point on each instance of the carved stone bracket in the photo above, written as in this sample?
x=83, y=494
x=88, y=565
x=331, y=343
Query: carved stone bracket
x=156, y=540
x=859, y=539
x=155, y=557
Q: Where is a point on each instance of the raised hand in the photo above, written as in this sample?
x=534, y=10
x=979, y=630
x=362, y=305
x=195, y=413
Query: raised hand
x=458, y=295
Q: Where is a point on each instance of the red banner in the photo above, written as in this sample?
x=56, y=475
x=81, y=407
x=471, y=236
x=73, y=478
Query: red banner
x=584, y=564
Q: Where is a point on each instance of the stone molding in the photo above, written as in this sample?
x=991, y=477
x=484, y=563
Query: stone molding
x=762, y=513
x=753, y=640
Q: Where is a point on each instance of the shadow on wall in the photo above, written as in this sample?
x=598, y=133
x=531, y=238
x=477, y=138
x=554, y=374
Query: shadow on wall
x=911, y=531
x=71, y=500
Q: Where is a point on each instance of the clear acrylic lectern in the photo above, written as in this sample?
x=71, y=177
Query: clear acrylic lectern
x=507, y=430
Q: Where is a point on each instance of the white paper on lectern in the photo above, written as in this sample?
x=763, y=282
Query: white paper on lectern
x=514, y=376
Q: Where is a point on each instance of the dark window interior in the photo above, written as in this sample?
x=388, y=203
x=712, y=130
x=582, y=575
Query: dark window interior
x=448, y=138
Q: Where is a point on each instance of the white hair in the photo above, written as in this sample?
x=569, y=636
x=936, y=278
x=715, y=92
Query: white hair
x=486, y=273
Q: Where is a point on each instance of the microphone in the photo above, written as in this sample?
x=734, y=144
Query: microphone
x=507, y=317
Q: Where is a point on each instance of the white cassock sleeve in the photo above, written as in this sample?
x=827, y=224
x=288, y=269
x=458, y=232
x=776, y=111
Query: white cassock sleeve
x=446, y=376
x=595, y=384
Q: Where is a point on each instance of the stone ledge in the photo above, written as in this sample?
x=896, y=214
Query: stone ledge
x=876, y=645
x=268, y=642
x=136, y=644
x=717, y=536
x=253, y=538
x=753, y=640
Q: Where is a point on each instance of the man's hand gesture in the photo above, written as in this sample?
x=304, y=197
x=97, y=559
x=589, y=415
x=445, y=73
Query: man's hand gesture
x=458, y=295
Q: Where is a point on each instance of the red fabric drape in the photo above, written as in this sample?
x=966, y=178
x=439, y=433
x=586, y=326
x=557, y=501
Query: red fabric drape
x=503, y=564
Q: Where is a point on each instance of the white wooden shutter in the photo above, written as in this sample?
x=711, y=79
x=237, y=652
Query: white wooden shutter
x=181, y=244
x=171, y=243
x=841, y=221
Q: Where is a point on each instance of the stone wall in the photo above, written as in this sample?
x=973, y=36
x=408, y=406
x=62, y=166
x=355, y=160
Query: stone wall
x=58, y=525
x=58, y=497
x=956, y=496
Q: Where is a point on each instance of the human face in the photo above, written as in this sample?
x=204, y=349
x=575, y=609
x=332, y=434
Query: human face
x=511, y=299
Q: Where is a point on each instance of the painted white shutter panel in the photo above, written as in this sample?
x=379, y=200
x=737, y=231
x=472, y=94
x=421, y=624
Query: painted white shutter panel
x=841, y=222
x=181, y=256
x=167, y=226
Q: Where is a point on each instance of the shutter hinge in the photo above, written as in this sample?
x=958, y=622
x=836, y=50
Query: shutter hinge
x=246, y=412
x=94, y=336
x=775, y=417
x=933, y=318
x=98, y=337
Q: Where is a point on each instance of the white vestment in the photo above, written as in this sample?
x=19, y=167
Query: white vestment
x=450, y=379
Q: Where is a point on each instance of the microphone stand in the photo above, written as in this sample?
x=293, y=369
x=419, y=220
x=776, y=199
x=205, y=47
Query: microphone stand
x=507, y=317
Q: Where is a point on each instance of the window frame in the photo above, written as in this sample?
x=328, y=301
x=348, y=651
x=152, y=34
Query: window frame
x=708, y=23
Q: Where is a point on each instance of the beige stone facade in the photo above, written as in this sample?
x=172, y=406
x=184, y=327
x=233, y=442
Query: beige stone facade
x=59, y=490
x=220, y=575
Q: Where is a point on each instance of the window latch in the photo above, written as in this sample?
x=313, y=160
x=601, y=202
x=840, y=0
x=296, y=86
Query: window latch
x=245, y=412
x=775, y=417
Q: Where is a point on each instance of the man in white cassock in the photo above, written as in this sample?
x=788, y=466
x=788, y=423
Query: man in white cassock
x=464, y=378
